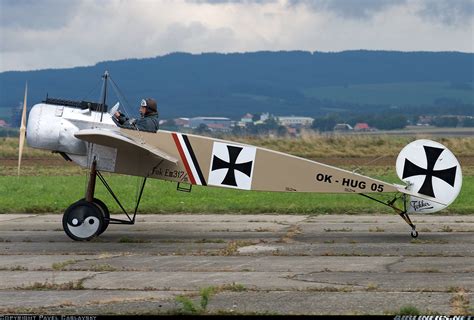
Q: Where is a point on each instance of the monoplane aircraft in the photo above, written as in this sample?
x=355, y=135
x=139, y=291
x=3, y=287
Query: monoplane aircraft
x=86, y=133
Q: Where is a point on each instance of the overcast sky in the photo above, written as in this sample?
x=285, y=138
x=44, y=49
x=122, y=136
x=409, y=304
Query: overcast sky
x=38, y=34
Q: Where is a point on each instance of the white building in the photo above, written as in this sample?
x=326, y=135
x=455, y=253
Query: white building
x=247, y=118
x=264, y=116
x=293, y=121
x=213, y=123
x=343, y=127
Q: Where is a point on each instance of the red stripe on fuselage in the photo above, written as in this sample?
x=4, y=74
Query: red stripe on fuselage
x=183, y=158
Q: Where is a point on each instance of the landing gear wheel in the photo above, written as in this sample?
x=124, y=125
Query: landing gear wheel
x=105, y=214
x=414, y=234
x=83, y=221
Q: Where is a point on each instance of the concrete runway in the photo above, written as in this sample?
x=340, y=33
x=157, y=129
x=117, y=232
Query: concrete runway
x=275, y=264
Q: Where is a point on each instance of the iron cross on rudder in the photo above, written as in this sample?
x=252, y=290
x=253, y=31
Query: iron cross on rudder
x=232, y=165
x=432, y=155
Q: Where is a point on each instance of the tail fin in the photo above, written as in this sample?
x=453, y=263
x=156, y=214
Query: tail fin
x=431, y=171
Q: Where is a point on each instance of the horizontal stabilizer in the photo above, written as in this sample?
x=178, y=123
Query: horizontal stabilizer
x=120, y=141
x=420, y=196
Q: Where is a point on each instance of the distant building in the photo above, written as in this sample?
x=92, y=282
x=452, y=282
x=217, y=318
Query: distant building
x=3, y=123
x=218, y=127
x=424, y=120
x=213, y=123
x=295, y=121
x=342, y=127
x=247, y=118
x=264, y=116
x=362, y=127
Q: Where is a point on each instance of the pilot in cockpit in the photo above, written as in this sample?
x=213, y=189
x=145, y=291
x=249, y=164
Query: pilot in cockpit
x=148, y=117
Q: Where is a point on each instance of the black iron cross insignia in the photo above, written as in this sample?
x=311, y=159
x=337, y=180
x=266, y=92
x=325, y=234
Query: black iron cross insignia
x=432, y=154
x=245, y=168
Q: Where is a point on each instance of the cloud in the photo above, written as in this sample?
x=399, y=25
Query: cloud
x=33, y=14
x=182, y=37
x=361, y=9
x=345, y=8
x=56, y=33
x=233, y=1
x=448, y=12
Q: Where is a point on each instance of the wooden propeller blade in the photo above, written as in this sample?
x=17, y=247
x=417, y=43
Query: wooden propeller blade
x=22, y=130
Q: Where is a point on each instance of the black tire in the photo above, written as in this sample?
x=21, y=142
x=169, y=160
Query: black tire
x=414, y=234
x=105, y=214
x=83, y=220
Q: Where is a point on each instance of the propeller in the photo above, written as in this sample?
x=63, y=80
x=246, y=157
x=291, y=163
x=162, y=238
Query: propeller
x=22, y=130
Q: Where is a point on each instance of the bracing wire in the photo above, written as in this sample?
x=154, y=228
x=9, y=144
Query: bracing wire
x=85, y=97
x=120, y=95
x=358, y=168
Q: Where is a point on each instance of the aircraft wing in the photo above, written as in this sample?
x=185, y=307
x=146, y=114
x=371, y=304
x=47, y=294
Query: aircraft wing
x=121, y=141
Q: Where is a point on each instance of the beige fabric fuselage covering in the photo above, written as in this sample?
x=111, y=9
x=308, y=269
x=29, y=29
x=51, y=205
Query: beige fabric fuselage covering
x=204, y=160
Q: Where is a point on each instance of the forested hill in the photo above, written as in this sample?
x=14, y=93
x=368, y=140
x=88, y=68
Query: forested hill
x=296, y=82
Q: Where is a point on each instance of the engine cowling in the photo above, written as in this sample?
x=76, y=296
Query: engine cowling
x=48, y=129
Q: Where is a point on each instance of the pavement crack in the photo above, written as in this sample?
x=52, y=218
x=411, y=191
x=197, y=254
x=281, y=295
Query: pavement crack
x=291, y=233
x=81, y=282
x=66, y=265
x=293, y=277
x=22, y=218
x=388, y=266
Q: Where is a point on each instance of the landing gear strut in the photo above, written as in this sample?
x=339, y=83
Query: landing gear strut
x=414, y=233
x=402, y=213
x=90, y=217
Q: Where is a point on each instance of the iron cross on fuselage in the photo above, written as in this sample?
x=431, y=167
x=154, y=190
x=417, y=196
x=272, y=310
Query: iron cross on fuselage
x=232, y=165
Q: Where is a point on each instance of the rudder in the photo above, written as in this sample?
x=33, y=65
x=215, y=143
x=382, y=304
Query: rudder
x=429, y=169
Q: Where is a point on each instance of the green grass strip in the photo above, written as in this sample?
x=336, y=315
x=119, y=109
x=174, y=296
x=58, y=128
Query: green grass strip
x=42, y=194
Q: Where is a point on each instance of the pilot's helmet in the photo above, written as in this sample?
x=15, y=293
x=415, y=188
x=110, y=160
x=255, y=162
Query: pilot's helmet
x=149, y=104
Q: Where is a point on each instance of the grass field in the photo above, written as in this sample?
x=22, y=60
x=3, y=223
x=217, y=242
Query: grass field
x=50, y=185
x=310, y=145
x=417, y=93
x=55, y=193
